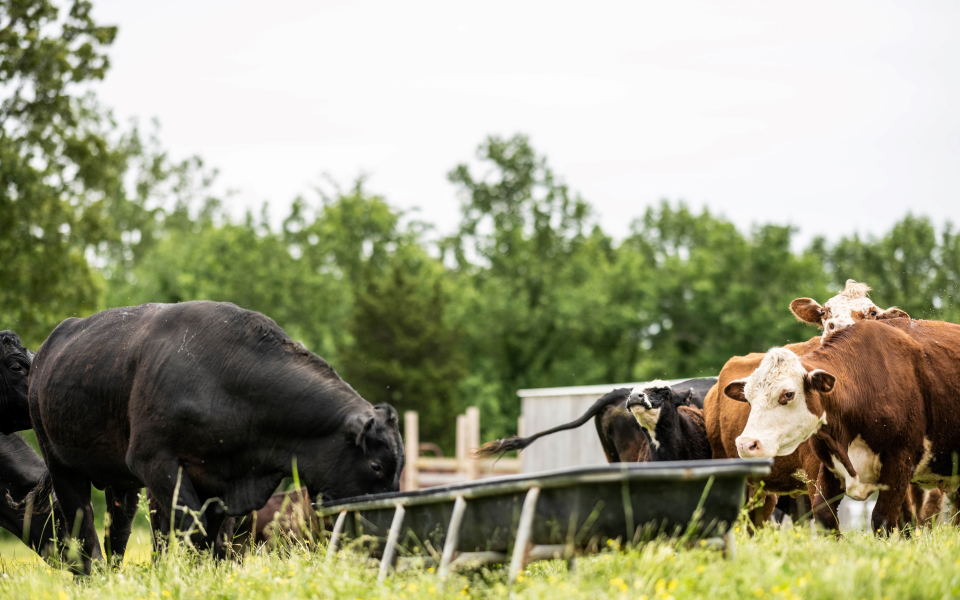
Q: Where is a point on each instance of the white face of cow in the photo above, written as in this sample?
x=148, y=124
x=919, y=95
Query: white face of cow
x=645, y=409
x=843, y=310
x=779, y=418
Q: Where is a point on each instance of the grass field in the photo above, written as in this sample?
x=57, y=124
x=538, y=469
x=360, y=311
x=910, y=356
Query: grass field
x=788, y=563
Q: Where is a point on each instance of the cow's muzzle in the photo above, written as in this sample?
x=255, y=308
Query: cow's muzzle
x=748, y=447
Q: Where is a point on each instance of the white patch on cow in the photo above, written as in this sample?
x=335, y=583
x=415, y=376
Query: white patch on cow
x=778, y=429
x=647, y=418
x=841, y=308
x=867, y=464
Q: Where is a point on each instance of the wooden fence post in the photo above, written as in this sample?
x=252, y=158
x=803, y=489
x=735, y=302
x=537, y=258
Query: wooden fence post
x=473, y=442
x=461, y=453
x=411, y=433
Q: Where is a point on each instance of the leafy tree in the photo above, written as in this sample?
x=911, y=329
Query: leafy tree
x=59, y=172
x=715, y=292
x=910, y=267
x=404, y=350
x=515, y=255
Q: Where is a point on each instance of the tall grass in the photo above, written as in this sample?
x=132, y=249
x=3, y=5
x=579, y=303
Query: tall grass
x=788, y=563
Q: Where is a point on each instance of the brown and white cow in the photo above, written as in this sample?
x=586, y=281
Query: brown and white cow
x=725, y=419
x=888, y=396
x=850, y=306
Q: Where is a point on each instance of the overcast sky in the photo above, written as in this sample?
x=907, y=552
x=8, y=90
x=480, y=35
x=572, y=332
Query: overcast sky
x=833, y=116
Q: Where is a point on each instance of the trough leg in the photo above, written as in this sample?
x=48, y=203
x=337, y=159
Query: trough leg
x=453, y=537
x=335, y=536
x=390, y=550
x=524, y=532
x=730, y=545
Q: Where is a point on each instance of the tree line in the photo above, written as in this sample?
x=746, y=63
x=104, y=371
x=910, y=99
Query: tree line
x=529, y=291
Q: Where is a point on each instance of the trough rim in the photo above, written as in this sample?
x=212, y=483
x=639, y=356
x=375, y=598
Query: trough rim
x=506, y=484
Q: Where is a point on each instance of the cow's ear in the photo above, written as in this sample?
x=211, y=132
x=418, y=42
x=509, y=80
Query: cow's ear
x=820, y=380
x=808, y=311
x=358, y=427
x=735, y=389
x=686, y=397
x=893, y=313
x=389, y=413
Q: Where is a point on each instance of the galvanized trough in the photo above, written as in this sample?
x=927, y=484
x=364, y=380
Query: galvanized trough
x=555, y=514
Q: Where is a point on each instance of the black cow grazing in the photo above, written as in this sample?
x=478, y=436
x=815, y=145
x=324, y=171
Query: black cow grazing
x=198, y=400
x=15, y=363
x=621, y=438
x=20, y=471
x=675, y=429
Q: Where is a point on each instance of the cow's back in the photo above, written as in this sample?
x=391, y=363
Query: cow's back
x=179, y=367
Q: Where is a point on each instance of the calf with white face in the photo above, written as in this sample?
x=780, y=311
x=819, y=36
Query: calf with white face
x=675, y=429
x=850, y=306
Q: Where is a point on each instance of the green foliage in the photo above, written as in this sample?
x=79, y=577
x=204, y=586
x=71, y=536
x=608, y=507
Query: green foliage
x=59, y=172
x=404, y=351
x=788, y=564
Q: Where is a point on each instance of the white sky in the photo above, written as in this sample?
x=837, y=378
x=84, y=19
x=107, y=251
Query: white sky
x=835, y=117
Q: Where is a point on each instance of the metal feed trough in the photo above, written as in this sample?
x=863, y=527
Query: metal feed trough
x=555, y=514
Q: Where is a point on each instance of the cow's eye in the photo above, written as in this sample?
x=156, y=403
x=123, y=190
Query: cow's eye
x=16, y=368
x=376, y=466
x=788, y=395
x=873, y=313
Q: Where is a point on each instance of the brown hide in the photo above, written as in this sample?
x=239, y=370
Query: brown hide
x=897, y=382
x=620, y=435
x=285, y=516
x=695, y=430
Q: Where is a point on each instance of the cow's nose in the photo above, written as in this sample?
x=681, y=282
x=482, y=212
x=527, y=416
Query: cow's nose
x=749, y=447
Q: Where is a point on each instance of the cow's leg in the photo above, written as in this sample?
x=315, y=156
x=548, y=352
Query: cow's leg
x=222, y=528
x=761, y=511
x=931, y=507
x=122, y=508
x=826, y=499
x=895, y=472
x=164, y=477
x=912, y=501
x=73, y=496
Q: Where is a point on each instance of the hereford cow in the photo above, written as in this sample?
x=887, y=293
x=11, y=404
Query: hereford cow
x=850, y=306
x=725, y=420
x=886, y=394
x=618, y=430
x=197, y=401
x=15, y=363
x=675, y=430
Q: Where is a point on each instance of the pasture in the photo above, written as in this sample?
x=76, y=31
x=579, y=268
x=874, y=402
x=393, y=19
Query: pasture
x=775, y=563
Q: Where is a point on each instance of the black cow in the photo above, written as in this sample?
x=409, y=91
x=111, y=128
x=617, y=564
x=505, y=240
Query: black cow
x=675, y=429
x=20, y=470
x=619, y=434
x=15, y=363
x=198, y=400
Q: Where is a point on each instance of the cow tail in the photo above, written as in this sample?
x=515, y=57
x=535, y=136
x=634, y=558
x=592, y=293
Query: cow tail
x=38, y=497
x=519, y=443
